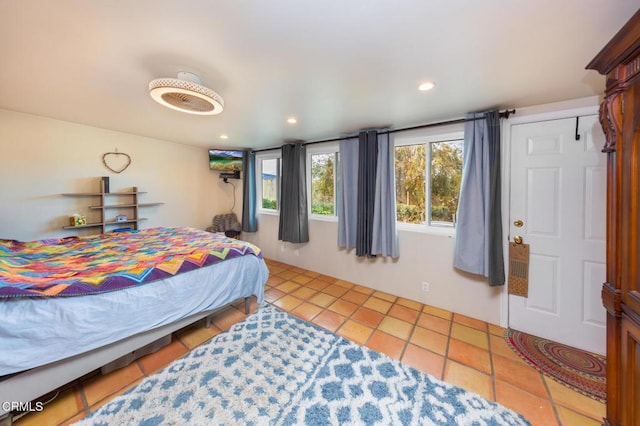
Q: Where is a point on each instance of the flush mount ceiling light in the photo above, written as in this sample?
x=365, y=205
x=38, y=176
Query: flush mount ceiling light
x=292, y=120
x=187, y=94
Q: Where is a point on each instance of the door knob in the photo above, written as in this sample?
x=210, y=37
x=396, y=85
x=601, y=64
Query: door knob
x=517, y=239
x=518, y=223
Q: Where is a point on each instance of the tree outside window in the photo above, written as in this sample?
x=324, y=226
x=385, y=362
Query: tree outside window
x=446, y=176
x=323, y=184
x=410, y=183
x=441, y=162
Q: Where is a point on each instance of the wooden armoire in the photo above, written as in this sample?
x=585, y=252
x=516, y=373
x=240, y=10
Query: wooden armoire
x=619, y=61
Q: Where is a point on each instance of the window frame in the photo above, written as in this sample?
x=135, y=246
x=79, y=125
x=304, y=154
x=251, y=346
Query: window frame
x=427, y=227
x=323, y=148
x=260, y=157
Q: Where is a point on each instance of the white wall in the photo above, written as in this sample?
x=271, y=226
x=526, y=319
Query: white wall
x=423, y=257
x=41, y=158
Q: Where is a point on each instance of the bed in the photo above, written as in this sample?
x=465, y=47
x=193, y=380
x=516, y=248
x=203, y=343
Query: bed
x=69, y=306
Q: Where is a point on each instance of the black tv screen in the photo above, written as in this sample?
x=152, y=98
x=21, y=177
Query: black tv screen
x=225, y=161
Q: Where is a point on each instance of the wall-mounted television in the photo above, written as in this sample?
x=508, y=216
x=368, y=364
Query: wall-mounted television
x=225, y=160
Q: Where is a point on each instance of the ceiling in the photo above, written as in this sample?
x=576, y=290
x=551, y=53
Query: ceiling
x=336, y=65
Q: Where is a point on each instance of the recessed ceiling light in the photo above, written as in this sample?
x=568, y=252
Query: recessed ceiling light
x=224, y=137
x=427, y=85
x=292, y=120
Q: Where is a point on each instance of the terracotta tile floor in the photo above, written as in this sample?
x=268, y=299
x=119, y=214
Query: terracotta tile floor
x=461, y=350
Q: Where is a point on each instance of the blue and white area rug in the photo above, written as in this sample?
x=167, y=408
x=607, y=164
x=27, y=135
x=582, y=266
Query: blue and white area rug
x=274, y=369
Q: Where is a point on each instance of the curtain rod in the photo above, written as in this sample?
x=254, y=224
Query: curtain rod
x=503, y=114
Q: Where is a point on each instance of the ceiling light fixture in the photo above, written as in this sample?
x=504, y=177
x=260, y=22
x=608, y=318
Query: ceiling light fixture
x=427, y=85
x=224, y=137
x=292, y=120
x=186, y=94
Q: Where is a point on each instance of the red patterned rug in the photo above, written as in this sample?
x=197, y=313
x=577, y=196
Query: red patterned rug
x=582, y=371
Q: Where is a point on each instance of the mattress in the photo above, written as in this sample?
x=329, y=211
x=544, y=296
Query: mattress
x=39, y=331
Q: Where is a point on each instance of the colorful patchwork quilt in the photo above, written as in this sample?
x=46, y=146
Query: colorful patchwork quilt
x=78, y=266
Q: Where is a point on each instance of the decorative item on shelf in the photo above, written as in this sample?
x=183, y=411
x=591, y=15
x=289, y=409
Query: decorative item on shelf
x=105, y=184
x=121, y=218
x=129, y=229
x=114, y=162
x=77, y=220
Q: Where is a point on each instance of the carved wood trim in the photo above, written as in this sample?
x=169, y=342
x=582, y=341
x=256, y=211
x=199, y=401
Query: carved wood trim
x=611, y=120
x=632, y=68
x=610, y=138
x=612, y=299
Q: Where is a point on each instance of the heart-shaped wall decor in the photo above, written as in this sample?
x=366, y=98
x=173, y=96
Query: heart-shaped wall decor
x=116, y=161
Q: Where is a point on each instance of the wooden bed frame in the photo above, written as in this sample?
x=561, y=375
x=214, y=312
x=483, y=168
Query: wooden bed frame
x=33, y=383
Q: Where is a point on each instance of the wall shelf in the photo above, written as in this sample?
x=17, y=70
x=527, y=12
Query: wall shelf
x=130, y=207
x=122, y=206
x=93, y=194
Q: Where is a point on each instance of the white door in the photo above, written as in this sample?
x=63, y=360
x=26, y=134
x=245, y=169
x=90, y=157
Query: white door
x=558, y=191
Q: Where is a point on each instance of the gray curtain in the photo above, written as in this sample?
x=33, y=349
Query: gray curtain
x=367, y=165
x=348, y=193
x=496, y=258
x=384, y=237
x=478, y=247
x=249, y=222
x=294, y=220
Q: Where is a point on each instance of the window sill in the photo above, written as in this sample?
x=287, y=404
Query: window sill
x=424, y=229
x=323, y=218
x=269, y=212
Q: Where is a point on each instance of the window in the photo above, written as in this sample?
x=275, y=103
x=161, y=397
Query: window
x=428, y=176
x=268, y=182
x=322, y=166
x=446, y=175
x=323, y=184
x=410, y=183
